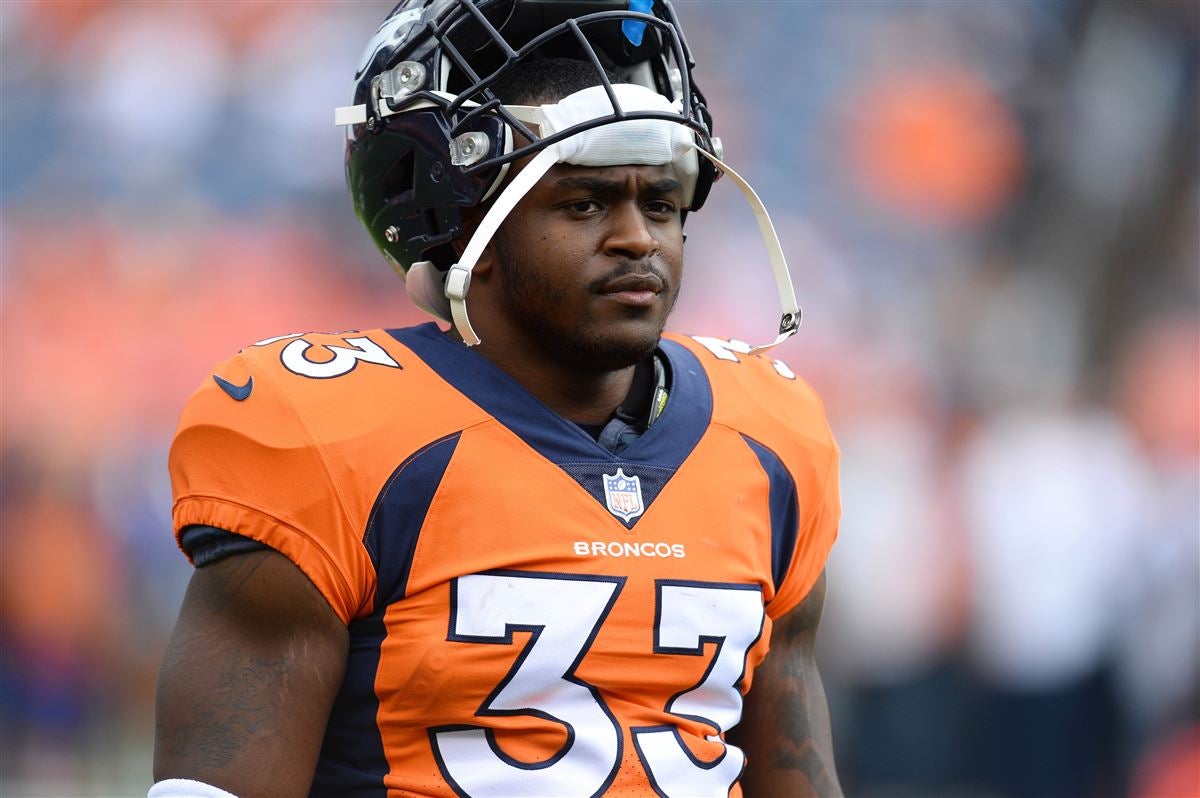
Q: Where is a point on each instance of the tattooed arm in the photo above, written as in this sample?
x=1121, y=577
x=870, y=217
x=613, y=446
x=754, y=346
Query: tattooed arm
x=248, y=678
x=785, y=725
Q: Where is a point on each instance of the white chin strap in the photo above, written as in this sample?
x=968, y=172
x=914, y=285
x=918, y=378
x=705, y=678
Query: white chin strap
x=647, y=141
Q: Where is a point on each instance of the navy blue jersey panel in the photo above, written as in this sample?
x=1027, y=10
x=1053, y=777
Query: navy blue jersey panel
x=785, y=512
x=352, y=762
x=666, y=444
x=399, y=513
x=590, y=477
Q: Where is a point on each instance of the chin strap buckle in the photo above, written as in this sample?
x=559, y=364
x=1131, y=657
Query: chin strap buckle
x=458, y=282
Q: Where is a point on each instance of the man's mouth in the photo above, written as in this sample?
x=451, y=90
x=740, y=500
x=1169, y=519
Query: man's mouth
x=633, y=289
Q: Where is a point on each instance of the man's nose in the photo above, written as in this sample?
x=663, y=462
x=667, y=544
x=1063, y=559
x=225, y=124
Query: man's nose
x=629, y=234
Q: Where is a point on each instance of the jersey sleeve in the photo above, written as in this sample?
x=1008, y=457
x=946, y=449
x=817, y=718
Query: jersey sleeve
x=249, y=465
x=821, y=511
x=784, y=420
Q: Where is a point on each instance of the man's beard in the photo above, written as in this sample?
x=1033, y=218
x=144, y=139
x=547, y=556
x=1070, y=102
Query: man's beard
x=531, y=302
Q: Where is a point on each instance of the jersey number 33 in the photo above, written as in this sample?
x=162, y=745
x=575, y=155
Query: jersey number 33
x=564, y=614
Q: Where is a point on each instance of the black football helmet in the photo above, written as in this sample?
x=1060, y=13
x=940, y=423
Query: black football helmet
x=427, y=136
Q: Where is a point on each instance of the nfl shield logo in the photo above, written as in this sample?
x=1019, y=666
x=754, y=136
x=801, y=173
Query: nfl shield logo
x=624, y=495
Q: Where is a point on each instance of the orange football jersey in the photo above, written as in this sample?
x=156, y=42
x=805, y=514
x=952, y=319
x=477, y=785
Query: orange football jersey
x=529, y=613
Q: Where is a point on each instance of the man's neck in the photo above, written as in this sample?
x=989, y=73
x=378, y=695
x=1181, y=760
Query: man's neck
x=581, y=395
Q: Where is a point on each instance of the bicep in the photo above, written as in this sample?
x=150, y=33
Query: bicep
x=785, y=728
x=248, y=678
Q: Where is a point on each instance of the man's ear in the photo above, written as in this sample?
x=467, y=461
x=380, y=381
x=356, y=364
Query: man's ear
x=470, y=221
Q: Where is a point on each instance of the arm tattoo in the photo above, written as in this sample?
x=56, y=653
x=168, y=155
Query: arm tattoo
x=790, y=731
x=223, y=694
x=799, y=745
x=241, y=706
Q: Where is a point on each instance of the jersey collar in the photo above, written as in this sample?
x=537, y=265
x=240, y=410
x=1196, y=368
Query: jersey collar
x=666, y=443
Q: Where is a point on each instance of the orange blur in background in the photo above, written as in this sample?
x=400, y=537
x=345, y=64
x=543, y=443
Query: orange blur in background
x=990, y=212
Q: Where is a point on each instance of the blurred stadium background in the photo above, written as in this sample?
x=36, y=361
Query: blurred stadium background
x=991, y=210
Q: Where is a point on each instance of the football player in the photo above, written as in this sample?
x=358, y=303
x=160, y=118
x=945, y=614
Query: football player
x=548, y=551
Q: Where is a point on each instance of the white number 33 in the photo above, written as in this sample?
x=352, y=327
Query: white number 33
x=565, y=614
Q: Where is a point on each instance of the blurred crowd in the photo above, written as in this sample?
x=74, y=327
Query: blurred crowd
x=992, y=214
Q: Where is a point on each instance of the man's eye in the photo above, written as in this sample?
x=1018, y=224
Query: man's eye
x=660, y=207
x=583, y=206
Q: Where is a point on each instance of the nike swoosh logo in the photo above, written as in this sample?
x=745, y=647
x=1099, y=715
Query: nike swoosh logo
x=238, y=392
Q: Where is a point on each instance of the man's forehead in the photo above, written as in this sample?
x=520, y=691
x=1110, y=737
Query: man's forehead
x=567, y=175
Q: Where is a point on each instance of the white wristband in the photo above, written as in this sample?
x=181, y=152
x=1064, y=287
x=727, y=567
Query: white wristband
x=186, y=788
